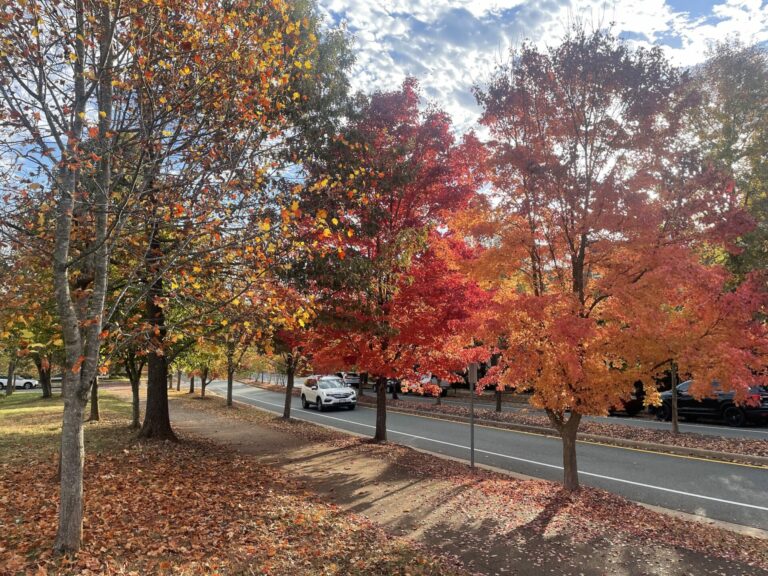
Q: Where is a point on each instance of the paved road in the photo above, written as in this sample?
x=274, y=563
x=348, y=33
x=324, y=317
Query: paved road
x=707, y=428
x=728, y=492
x=710, y=429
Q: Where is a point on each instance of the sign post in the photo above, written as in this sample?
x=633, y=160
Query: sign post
x=472, y=385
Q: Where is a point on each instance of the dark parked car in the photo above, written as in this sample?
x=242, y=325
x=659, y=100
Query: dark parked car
x=719, y=405
x=392, y=385
x=632, y=405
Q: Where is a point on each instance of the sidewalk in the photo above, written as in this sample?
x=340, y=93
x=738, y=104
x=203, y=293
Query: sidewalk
x=493, y=523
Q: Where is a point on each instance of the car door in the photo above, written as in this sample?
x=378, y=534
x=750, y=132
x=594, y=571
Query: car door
x=711, y=404
x=310, y=390
x=686, y=404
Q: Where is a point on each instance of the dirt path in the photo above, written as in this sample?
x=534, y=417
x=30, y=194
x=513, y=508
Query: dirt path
x=512, y=526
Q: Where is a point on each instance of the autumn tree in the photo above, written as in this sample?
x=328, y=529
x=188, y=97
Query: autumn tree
x=119, y=117
x=585, y=139
x=56, y=90
x=401, y=172
x=732, y=125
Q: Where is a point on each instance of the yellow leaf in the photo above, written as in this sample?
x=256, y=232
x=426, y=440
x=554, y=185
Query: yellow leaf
x=264, y=226
x=308, y=65
x=185, y=71
x=335, y=221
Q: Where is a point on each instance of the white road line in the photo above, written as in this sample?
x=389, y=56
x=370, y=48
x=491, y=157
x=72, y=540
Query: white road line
x=535, y=462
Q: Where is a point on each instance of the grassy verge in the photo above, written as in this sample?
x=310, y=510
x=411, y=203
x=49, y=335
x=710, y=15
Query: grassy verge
x=30, y=427
x=164, y=508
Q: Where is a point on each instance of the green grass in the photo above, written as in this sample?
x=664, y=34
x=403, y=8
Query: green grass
x=30, y=424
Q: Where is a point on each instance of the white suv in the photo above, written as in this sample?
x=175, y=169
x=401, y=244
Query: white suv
x=21, y=382
x=326, y=392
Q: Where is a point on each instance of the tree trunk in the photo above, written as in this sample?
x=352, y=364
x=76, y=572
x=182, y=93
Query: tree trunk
x=498, y=400
x=71, y=460
x=157, y=421
x=191, y=385
x=43, y=365
x=675, y=420
x=568, y=430
x=570, y=468
x=10, y=383
x=81, y=342
x=381, y=410
x=230, y=384
x=394, y=392
x=363, y=382
x=288, y=388
x=133, y=368
x=135, y=412
x=178, y=380
x=203, y=382
x=45, y=382
x=94, y=401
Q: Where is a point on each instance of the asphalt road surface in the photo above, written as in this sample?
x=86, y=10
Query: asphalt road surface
x=708, y=428
x=728, y=492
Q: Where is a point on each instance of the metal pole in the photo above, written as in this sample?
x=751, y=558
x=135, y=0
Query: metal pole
x=472, y=383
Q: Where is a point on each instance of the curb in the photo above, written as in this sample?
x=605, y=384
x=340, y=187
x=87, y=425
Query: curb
x=727, y=457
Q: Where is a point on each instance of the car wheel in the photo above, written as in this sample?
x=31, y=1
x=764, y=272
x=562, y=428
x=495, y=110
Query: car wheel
x=319, y=404
x=666, y=412
x=2, y=386
x=304, y=403
x=734, y=416
x=27, y=385
x=352, y=407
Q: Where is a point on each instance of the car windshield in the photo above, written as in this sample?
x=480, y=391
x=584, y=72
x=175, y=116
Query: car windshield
x=330, y=383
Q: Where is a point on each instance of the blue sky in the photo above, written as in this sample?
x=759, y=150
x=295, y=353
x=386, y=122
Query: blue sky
x=451, y=44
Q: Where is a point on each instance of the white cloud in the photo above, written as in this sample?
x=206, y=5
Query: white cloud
x=449, y=45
